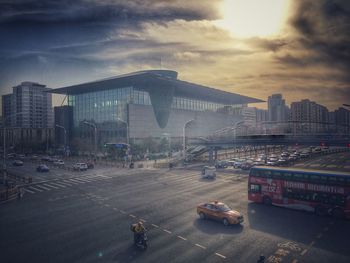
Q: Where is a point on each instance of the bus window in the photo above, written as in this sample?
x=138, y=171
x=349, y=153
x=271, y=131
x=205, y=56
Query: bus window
x=255, y=188
x=276, y=175
x=287, y=176
x=323, y=179
x=332, y=180
x=254, y=172
x=341, y=180
x=347, y=179
x=300, y=177
x=315, y=178
x=267, y=174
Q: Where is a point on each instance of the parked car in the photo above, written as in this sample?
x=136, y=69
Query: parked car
x=220, y=212
x=11, y=155
x=45, y=158
x=42, y=168
x=80, y=167
x=238, y=163
x=34, y=157
x=209, y=172
x=59, y=163
x=304, y=154
x=282, y=161
x=17, y=163
x=247, y=165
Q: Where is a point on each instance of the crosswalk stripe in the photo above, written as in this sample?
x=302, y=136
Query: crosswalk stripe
x=43, y=187
x=35, y=189
x=82, y=180
x=64, y=183
x=29, y=191
x=52, y=186
x=59, y=185
x=73, y=181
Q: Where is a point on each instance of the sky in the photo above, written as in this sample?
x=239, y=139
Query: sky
x=300, y=48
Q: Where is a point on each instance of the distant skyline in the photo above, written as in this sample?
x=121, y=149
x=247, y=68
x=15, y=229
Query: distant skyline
x=300, y=48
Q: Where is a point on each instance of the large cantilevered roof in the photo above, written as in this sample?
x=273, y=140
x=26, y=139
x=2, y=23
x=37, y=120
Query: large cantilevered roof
x=159, y=80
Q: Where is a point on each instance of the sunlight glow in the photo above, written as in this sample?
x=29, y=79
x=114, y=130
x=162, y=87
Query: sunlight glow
x=253, y=18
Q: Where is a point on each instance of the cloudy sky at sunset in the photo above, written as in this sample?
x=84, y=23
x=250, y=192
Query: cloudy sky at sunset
x=300, y=48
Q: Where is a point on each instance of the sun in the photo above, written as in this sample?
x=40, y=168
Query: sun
x=253, y=18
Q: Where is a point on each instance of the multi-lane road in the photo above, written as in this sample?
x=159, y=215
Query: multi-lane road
x=85, y=217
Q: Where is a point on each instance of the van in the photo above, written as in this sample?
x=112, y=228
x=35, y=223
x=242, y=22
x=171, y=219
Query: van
x=209, y=172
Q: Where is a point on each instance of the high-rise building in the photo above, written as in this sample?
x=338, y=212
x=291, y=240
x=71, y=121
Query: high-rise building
x=342, y=120
x=277, y=109
x=309, y=117
x=28, y=115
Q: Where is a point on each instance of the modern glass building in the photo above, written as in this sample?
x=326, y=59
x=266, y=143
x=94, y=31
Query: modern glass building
x=148, y=103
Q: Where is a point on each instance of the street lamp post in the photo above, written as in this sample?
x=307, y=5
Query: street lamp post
x=95, y=133
x=65, y=136
x=184, y=137
x=127, y=129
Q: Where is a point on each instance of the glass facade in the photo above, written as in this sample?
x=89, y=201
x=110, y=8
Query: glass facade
x=110, y=105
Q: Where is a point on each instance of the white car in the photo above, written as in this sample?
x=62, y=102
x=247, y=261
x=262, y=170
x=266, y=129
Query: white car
x=59, y=163
x=80, y=167
x=209, y=172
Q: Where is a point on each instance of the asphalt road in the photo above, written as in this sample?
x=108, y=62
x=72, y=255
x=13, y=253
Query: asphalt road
x=86, y=218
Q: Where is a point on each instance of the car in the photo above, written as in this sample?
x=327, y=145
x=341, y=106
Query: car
x=317, y=150
x=238, y=163
x=45, y=158
x=11, y=155
x=247, y=165
x=42, y=168
x=208, y=172
x=221, y=164
x=282, y=161
x=59, y=163
x=80, y=167
x=304, y=154
x=17, y=163
x=34, y=157
x=285, y=154
x=219, y=211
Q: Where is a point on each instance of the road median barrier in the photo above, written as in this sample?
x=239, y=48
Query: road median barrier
x=8, y=194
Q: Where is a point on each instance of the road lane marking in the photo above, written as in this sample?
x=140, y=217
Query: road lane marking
x=29, y=191
x=35, y=189
x=131, y=215
x=155, y=225
x=198, y=245
x=143, y=220
x=116, y=209
x=319, y=235
x=107, y=205
x=43, y=187
x=167, y=231
x=59, y=185
x=304, y=252
x=218, y=254
x=49, y=185
x=312, y=243
x=122, y=211
x=182, y=238
x=66, y=184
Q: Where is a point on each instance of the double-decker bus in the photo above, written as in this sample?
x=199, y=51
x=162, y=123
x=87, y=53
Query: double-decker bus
x=322, y=192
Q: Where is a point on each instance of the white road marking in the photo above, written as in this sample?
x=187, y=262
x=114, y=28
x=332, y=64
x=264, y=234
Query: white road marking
x=143, y=220
x=131, y=215
x=43, y=187
x=29, y=191
x=319, y=235
x=304, y=252
x=122, y=211
x=198, y=245
x=107, y=205
x=218, y=254
x=155, y=225
x=66, y=184
x=35, y=189
x=312, y=243
x=73, y=182
x=52, y=186
x=59, y=185
x=182, y=238
x=167, y=231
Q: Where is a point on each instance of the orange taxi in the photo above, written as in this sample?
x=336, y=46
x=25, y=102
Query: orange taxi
x=219, y=211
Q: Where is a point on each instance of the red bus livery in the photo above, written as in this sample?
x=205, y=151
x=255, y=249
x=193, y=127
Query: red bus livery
x=322, y=192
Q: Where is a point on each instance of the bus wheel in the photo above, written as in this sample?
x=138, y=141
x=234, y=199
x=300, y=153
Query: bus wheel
x=320, y=211
x=338, y=213
x=267, y=200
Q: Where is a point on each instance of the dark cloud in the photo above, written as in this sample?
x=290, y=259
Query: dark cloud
x=268, y=44
x=323, y=28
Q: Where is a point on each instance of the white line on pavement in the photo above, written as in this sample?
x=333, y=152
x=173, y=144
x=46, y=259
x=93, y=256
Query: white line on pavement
x=35, y=189
x=52, y=186
x=43, y=187
x=319, y=235
x=182, y=238
x=29, y=191
x=304, y=252
x=131, y=215
x=167, y=231
x=59, y=185
x=218, y=254
x=155, y=225
x=198, y=245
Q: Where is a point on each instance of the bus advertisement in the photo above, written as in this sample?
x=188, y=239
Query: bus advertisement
x=322, y=192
